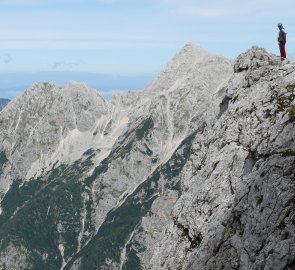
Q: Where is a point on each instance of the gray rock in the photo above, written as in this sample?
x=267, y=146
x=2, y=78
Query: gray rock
x=194, y=172
x=240, y=198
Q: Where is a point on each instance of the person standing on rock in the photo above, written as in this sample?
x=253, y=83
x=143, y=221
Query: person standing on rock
x=282, y=41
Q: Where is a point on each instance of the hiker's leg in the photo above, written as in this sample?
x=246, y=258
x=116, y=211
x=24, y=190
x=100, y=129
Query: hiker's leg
x=282, y=50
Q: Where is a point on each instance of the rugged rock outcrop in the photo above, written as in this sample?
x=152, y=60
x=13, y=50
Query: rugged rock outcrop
x=237, y=208
x=194, y=172
x=36, y=124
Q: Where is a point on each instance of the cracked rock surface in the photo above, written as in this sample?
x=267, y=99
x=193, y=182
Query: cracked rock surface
x=195, y=172
x=239, y=182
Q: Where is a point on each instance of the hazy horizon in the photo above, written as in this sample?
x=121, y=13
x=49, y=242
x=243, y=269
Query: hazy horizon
x=128, y=37
x=14, y=83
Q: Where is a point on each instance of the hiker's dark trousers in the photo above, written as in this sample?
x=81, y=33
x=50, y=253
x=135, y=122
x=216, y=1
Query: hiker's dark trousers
x=282, y=49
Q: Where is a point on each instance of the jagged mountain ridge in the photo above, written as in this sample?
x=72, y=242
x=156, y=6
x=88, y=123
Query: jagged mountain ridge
x=238, y=208
x=163, y=193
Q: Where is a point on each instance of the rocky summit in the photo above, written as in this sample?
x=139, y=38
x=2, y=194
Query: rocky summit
x=195, y=172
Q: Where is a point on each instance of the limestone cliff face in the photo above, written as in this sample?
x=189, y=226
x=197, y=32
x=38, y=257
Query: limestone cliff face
x=37, y=122
x=236, y=210
x=194, y=172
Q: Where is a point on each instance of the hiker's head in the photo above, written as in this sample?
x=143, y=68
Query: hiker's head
x=280, y=25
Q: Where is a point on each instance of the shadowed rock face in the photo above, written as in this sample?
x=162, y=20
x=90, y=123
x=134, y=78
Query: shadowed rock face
x=195, y=172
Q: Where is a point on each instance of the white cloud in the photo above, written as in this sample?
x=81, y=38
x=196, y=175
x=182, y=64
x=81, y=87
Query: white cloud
x=131, y=36
x=225, y=27
x=195, y=12
x=243, y=10
x=88, y=44
x=6, y=58
x=65, y=64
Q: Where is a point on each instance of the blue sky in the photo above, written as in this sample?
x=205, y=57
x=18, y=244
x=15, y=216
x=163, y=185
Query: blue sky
x=132, y=37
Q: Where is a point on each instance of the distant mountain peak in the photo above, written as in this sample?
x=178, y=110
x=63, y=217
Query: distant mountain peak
x=112, y=184
x=192, y=60
x=191, y=48
x=44, y=115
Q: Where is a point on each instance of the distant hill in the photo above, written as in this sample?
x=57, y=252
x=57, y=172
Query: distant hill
x=3, y=103
x=13, y=84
